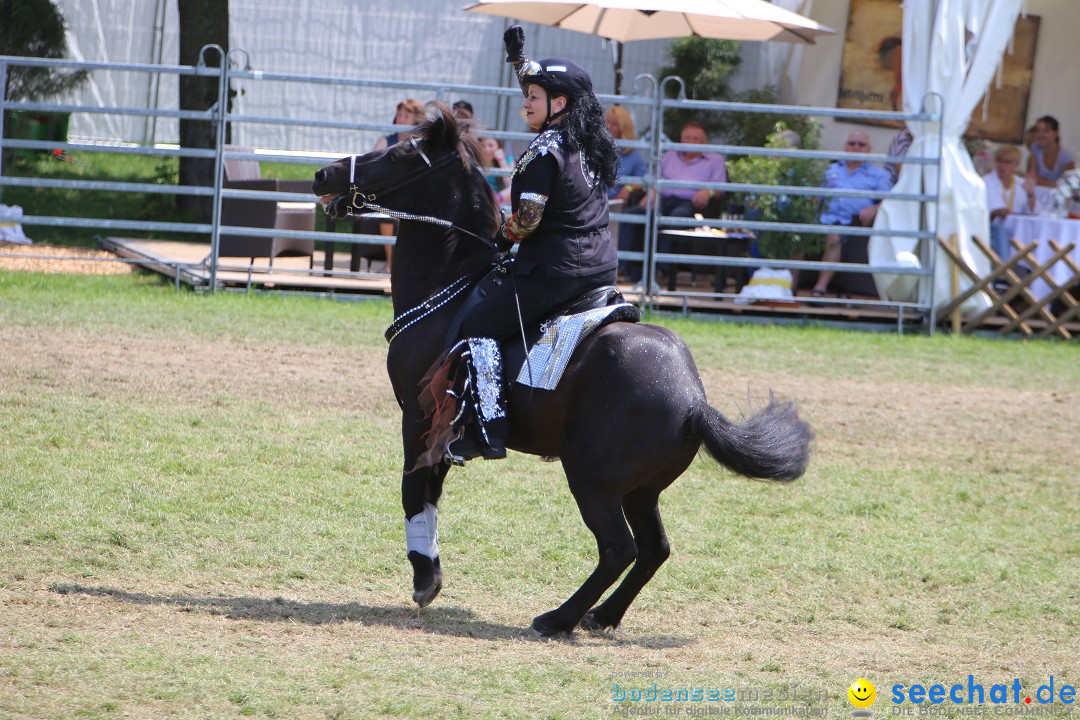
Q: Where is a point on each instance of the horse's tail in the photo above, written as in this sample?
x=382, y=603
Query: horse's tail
x=773, y=443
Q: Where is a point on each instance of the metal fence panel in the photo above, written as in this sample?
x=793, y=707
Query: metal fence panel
x=645, y=99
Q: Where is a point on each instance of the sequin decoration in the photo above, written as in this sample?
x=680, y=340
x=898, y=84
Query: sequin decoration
x=549, y=356
x=487, y=364
x=547, y=141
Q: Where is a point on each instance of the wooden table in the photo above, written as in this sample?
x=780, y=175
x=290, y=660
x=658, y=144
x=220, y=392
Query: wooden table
x=699, y=242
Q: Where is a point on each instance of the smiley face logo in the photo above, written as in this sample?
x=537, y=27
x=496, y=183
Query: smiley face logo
x=862, y=693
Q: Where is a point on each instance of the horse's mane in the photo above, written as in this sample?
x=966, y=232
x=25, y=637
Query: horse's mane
x=442, y=131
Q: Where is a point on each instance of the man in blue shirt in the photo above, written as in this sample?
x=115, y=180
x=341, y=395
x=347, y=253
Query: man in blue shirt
x=847, y=211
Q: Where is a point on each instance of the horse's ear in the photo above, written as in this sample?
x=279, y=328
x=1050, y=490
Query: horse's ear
x=442, y=127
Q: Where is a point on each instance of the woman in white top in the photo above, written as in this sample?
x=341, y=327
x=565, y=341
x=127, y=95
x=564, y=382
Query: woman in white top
x=1007, y=194
x=1048, y=159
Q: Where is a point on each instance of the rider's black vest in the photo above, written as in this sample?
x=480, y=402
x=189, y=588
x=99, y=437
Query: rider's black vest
x=572, y=239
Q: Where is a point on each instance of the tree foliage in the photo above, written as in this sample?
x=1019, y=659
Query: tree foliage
x=706, y=66
x=773, y=207
x=35, y=28
x=755, y=128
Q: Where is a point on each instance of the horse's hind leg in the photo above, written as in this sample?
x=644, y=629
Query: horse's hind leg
x=604, y=517
x=642, y=510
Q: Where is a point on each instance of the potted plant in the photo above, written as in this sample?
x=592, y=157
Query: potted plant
x=774, y=284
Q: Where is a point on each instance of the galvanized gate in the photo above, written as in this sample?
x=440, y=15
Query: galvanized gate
x=645, y=97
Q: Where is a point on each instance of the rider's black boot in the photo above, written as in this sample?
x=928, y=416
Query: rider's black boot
x=473, y=441
x=487, y=434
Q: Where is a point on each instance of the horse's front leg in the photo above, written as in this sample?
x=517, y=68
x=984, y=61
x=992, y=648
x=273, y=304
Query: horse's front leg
x=420, y=491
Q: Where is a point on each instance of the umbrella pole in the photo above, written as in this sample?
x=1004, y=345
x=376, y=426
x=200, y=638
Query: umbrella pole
x=616, y=50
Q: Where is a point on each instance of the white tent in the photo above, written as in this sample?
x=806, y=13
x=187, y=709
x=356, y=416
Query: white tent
x=424, y=41
x=950, y=47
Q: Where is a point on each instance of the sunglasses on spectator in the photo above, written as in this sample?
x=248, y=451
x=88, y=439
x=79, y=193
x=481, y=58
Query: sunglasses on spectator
x=856, y=143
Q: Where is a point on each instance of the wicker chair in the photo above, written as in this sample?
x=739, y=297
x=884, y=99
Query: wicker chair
x=244, y=174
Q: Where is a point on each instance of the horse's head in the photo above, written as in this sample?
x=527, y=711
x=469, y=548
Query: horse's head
x=431, y=173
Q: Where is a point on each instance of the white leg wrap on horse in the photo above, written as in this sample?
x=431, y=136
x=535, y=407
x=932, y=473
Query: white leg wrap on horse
x=422, y=532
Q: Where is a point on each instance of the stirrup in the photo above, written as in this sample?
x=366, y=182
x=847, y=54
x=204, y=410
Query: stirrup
x=464, y=447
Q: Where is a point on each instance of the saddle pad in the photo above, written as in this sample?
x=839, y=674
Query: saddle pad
x=560, y=336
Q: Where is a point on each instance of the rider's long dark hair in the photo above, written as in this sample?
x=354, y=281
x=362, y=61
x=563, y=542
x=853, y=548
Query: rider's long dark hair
x=586, y=130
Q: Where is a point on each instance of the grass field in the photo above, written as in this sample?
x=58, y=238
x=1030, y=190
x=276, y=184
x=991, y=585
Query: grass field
x=199, y=518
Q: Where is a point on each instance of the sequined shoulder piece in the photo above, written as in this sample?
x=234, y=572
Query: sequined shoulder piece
x=547, y=141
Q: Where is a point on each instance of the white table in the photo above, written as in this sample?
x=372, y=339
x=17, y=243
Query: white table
x=1040, y=229
x=704, y=241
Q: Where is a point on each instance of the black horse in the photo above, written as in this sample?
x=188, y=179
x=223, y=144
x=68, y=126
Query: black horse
x=627, y=418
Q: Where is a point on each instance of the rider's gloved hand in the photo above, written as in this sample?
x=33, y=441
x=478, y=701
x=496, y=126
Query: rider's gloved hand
x=514, y=42
x=500, y=241
x=338, y=208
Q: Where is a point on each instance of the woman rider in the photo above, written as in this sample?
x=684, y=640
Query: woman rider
x=558, y=195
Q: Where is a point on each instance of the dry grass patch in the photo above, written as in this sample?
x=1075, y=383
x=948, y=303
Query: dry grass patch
x=200, y=518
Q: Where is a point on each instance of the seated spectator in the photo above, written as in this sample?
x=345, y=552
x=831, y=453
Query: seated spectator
x=631, y=163
x=495, y=157
x=463, y=110
x=1007, y=193
x=690, y=166
x=848, y=211
x=1048, y=160
x=900, y=145
x=409, y=112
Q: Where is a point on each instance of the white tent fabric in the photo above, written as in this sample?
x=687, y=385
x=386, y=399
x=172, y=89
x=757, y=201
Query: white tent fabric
x=780, y=62
x=427, y=41
x=951, y=47
x=125, y=32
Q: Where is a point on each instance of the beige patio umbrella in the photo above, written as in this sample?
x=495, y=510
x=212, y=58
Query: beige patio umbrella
x=625, y=20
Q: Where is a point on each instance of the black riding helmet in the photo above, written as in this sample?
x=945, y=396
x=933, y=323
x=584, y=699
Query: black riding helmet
x=557, y=77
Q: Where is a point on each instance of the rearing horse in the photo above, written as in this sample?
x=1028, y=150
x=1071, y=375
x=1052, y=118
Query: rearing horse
x=626, y=419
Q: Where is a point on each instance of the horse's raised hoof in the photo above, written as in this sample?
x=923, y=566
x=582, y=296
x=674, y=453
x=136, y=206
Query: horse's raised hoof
x=546, y=626
x=427, y=578
x=423, y=598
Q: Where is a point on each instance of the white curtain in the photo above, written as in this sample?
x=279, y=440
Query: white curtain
x=781, y=61
x=951, y=47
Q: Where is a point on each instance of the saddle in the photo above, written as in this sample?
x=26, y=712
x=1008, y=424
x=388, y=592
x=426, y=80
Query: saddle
x=551, y=344
x=514, y=353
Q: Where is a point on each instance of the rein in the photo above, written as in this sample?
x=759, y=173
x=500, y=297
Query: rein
x=367, y=201
x=362, y=201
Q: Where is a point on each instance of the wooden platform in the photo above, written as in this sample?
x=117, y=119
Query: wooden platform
x=188, y=263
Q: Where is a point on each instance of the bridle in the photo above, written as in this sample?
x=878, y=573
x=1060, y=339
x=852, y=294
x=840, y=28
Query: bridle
x=367, y=201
